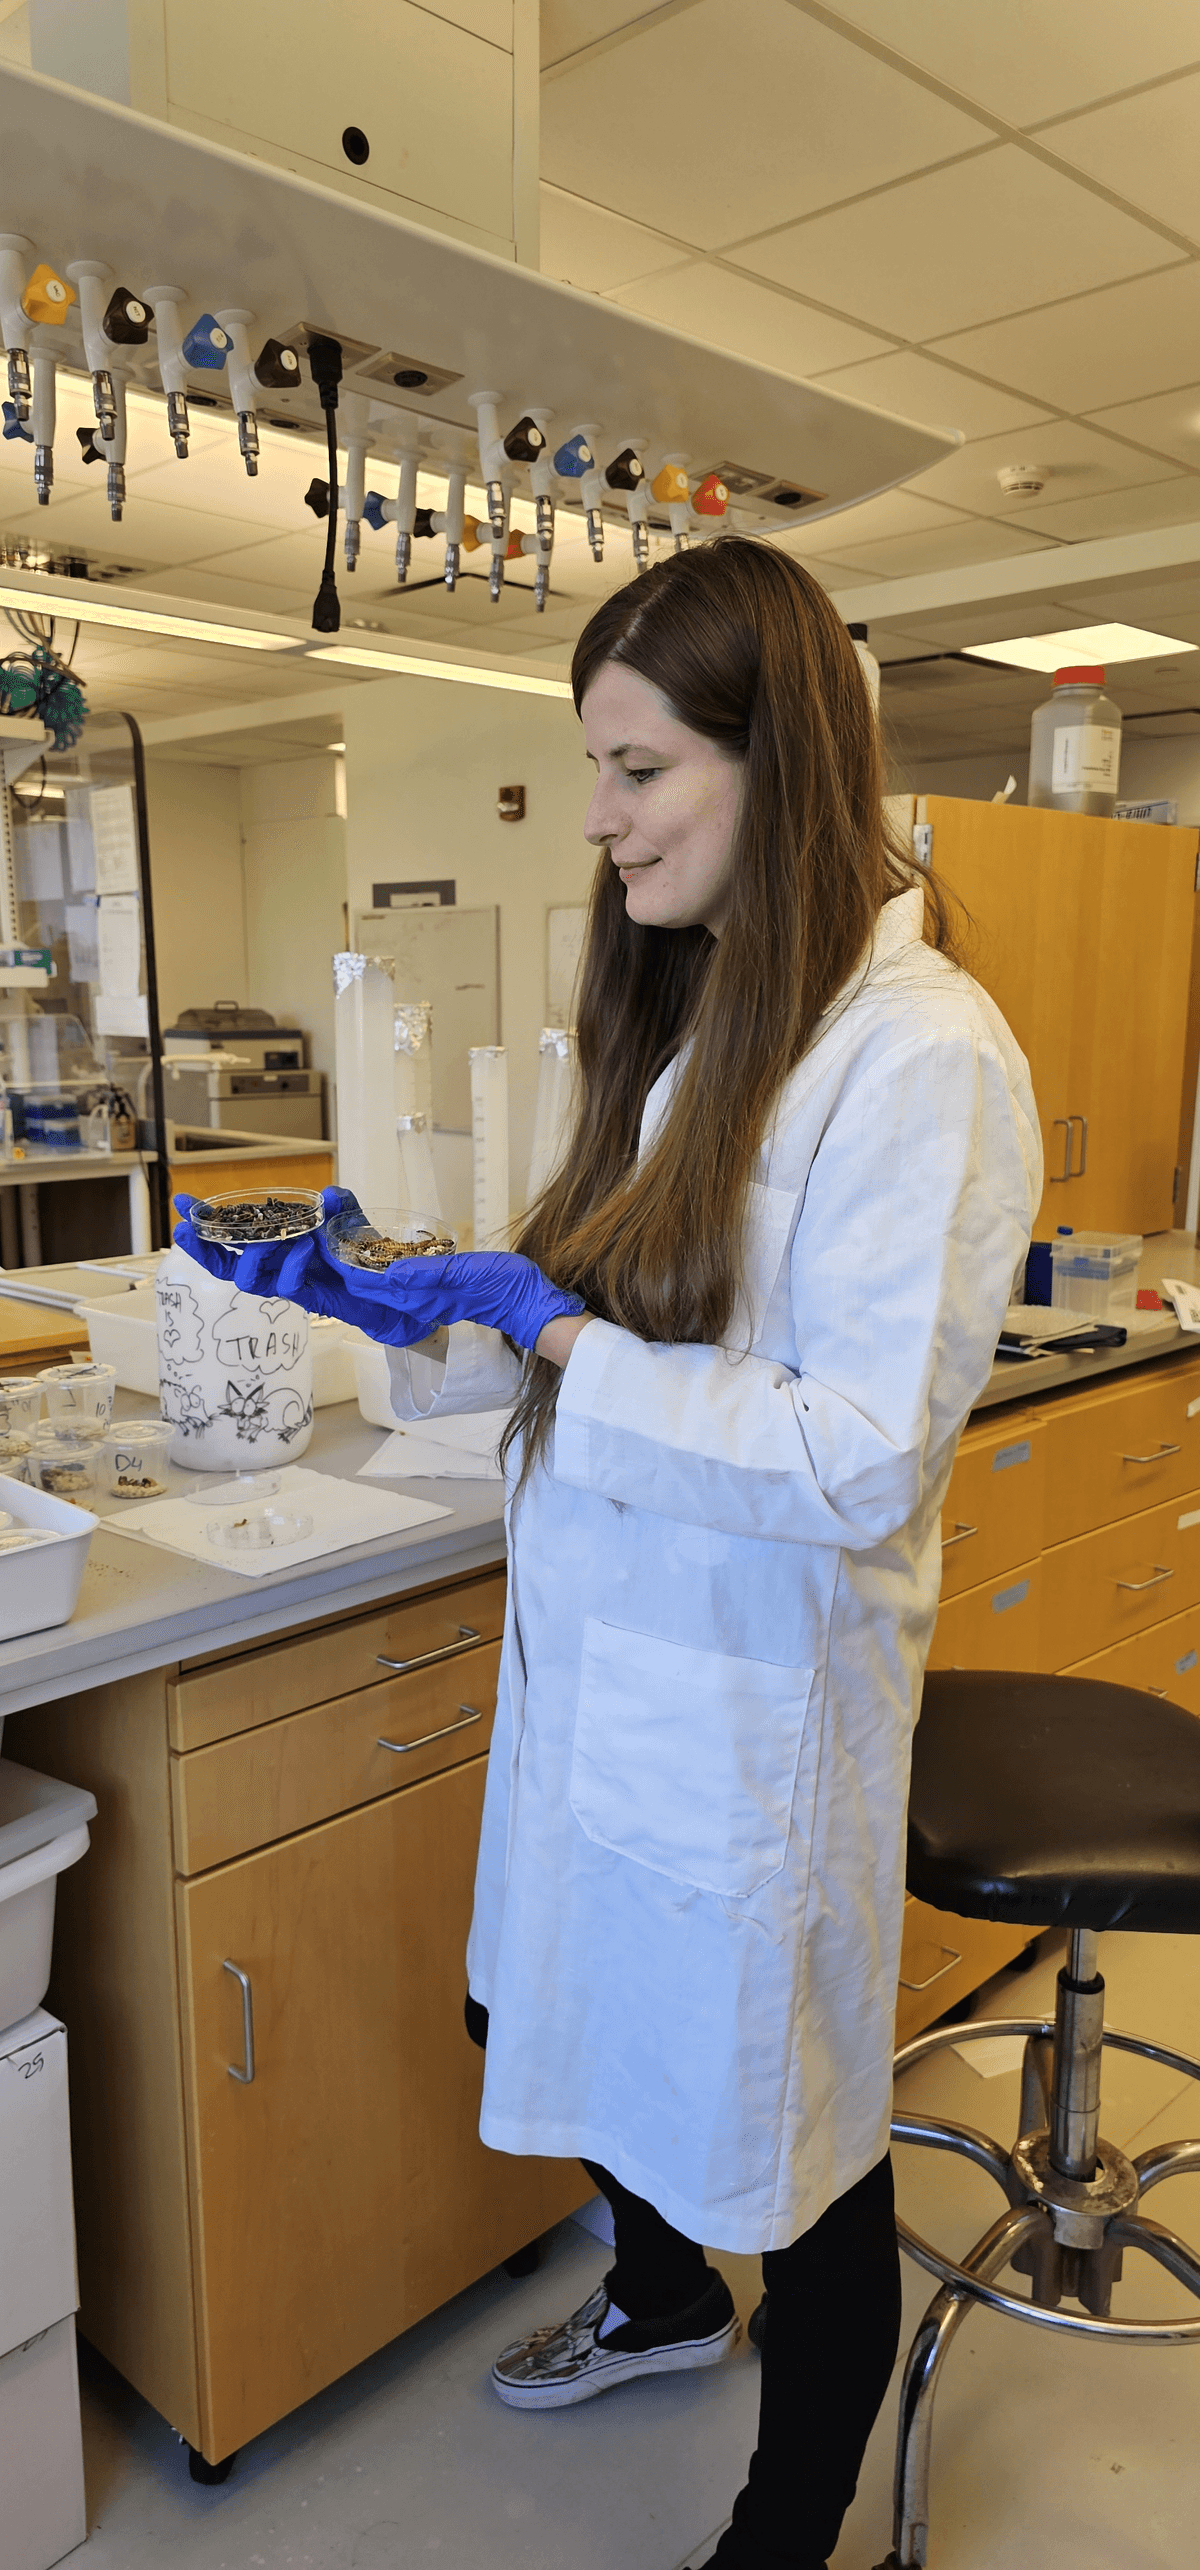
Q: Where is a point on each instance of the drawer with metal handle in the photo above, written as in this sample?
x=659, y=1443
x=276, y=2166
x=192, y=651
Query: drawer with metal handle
x=992, y=1513
x=266, y=1784
x=994, y=1626
x=942, y=1958
x=1103, y=1587
x=212, y=1701
x=1121, y=1447
x=1164, y=1660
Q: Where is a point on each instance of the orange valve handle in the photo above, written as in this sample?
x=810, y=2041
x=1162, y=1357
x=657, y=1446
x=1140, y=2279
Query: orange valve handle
x=710, y=499
x=476, y=531
x=47, y=296
x=671, y=484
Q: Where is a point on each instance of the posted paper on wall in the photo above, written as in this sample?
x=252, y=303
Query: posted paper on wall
x=114, y=830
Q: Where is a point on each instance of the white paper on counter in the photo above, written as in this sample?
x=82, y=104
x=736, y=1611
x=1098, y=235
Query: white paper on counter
x=341, y=1513
x=461, y=1448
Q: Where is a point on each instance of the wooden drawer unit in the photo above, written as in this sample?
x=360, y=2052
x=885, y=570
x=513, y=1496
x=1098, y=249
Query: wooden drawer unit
x=997, y=1626
x=213, y=1700
x=1165, y=1660
x=992, y=1515
x=1106, y=1586
x=284, y=1776
x=942, y=1958
x=1121, y=1448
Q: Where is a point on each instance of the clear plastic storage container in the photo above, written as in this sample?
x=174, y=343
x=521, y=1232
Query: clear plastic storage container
x=1075, y=745
x=1095, y=1272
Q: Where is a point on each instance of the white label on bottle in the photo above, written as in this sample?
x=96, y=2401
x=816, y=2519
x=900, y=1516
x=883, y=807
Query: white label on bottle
x=1087, y=758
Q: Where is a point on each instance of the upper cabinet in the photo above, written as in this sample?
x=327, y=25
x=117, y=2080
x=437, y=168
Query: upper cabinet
x=1082, y=932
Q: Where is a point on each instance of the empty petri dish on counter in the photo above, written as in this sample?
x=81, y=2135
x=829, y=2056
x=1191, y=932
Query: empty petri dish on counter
x=376, y=1240
x=255, y=1530
x=237, y=1486
x=251, y=1217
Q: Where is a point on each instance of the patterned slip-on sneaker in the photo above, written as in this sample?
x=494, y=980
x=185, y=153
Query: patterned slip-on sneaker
x=570, y=2361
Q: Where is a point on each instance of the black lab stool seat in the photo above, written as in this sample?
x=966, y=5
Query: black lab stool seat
x=1048, y=1802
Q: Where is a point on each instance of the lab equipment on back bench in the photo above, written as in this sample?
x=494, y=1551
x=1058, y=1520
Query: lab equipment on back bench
x=108, y=330
x=1075, y=745
x=627, y=474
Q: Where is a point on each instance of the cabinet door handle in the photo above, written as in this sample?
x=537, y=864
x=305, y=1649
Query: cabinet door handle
x=1078, y=1173
x=952, y=1957
x=1157, y=1455
x=466, y=1636
x=1156, y=1582
x=1059, y=1175
x=959, y=1536
x=246, y=2073
x=404, y=1748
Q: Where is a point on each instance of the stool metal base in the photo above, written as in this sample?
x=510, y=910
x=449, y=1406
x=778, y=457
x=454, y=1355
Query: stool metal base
x=1067, y=2233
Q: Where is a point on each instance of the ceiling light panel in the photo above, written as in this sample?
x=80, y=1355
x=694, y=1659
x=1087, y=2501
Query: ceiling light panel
x=1107, y=645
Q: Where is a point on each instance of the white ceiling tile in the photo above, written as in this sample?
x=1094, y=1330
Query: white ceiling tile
x=1026, y=62
x=710, y=130
x=917, y=387
x=1168, y=421
x=569, y=25
x=890, y=513
x=942, y=548
x=148, y=532
x=750, y=319
x=958, y=246
x=217, y=482
x=1082, y=354
x=1076, y=460
x=584, y=245
x=1144, y=147
x=1118, y=512
x=240, y=597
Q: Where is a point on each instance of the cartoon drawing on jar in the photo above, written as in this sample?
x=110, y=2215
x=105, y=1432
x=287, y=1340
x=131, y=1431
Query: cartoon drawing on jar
x=184, y=1404
x=257, y=1411
x=180, y=1322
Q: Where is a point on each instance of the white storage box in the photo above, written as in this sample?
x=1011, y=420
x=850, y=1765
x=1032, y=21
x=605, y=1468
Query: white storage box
x=123, y=1332
x=28, y=1886
x=42, y=2509
x=37, y=2227
x=1095, y=1272
x=40, y=1587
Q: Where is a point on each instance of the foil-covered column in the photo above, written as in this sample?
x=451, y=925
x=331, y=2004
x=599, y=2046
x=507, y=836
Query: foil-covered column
x=489, y=1137
x=363, y=1011
x=413, y=1040
x=552, y=1114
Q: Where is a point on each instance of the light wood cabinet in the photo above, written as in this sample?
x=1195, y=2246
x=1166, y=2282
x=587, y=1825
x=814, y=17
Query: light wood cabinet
x=241, y=2243
x=1082, y=932
x=993, y=1512
x=342, y=2192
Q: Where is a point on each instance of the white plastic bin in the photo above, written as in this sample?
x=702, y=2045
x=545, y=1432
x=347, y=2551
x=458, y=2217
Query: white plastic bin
x=122, y=1331
x=1095, y=1272
x=43, y=1829
x=40, y=1587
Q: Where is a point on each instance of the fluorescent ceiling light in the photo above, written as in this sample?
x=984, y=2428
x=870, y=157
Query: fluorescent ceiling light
x=1102, y=643
x=335, y=746
x=86, y=609
x=402, y=664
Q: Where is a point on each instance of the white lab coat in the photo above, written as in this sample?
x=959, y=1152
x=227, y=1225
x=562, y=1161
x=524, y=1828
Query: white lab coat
x=691, y=1872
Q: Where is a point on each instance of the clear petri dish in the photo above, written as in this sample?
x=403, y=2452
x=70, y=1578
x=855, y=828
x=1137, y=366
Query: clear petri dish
x=257, y=1530
x=252, y=1217
x=376, y=1240
x=239, y=1487
x=75, y=1392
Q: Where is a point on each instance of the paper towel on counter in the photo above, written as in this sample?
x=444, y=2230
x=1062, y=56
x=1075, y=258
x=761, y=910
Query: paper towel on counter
x=459, y=1448
x=342, y=1515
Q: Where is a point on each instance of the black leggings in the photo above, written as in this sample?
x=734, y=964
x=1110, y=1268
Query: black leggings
x=833, y=2327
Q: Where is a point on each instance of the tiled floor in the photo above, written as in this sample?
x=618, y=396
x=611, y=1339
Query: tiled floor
x=1080, y=2457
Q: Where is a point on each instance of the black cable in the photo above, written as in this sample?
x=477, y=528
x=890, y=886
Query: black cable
x=325, y=367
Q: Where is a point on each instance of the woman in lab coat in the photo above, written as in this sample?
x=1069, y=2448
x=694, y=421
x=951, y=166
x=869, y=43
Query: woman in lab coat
x=800, y=1179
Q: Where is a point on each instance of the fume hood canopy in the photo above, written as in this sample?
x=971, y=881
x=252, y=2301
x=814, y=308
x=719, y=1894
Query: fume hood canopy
x=84, y=179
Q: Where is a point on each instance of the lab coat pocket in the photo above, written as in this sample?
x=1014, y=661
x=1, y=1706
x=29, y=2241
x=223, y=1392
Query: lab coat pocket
x=685, y=1760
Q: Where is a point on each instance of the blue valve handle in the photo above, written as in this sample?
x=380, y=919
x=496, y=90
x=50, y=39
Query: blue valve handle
x=373, y=508
x=398, y=1305
x=14, y=425
x=206, y=344
x=574, y=459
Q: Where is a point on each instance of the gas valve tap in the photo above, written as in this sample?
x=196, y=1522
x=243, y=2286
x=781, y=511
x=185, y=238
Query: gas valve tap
x=527, y=444
x=275, y=369
x=576, y=462
x=164, y=302
x=109, y=331
x=46, y=298
x=627, y=474
x=670, y=488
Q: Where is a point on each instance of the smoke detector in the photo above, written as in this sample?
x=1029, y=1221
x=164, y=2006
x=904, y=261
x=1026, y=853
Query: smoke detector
x=1020, y=480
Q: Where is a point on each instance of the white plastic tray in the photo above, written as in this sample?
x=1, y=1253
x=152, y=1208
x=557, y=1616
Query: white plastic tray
x=40, y=1587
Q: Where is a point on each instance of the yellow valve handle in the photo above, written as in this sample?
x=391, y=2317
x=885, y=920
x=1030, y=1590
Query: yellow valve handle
x=47, y=296
x=475, y=533
x=671, y=483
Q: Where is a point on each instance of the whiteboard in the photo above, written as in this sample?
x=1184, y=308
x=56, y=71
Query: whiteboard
x=450, y=958
x=565, y=930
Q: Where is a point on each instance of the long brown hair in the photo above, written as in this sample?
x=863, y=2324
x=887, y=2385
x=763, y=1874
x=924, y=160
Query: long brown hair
x=747, y=650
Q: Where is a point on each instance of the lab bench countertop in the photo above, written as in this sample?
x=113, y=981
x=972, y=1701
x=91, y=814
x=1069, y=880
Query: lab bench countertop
x=141, y=1607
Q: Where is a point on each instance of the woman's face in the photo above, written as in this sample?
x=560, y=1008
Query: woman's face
x=665, y=804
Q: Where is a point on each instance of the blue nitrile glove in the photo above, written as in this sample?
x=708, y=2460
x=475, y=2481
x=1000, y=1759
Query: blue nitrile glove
x=398, y=1305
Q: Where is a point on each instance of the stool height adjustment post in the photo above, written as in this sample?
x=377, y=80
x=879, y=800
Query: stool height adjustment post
x=1078, y=2048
